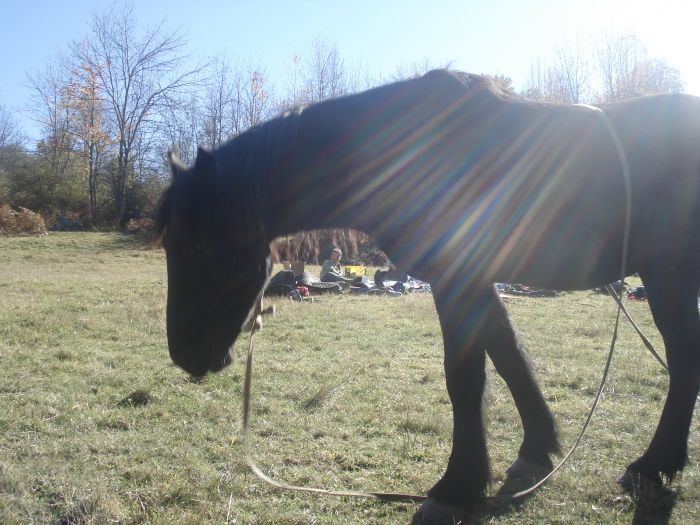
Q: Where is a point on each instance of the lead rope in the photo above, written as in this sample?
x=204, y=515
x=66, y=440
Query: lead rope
x=391, y=496
x=643, y=337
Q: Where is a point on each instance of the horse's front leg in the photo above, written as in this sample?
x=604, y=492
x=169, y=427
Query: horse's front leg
x=465, y=326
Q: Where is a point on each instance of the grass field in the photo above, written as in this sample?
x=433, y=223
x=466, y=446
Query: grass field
x=96, y=425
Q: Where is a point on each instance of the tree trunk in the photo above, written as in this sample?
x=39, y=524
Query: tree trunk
x=93, y=160
x=120, y=184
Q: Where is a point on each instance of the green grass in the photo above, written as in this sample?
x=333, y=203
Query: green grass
x=96, y=425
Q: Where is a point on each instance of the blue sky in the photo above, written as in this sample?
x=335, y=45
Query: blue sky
x=496, y=37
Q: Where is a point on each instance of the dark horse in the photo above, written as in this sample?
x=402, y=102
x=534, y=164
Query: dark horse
x=462, y=185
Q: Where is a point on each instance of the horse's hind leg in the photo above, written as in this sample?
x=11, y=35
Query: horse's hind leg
x=673, y=299
x=540, y=435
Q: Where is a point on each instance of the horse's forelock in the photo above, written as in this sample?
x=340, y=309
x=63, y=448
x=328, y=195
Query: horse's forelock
x=176, y=211
x=225, y=186
x=189, y=207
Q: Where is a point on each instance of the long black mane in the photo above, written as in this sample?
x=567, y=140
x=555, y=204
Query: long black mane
x=211, y=195
x=190, y=205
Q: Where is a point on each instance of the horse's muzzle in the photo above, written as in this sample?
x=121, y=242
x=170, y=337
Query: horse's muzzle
x=199, y=363
x=221, y=360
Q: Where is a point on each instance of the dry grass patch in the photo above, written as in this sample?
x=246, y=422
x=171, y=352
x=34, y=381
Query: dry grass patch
x=20, y=222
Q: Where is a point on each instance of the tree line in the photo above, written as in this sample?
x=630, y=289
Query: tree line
x=111, y=106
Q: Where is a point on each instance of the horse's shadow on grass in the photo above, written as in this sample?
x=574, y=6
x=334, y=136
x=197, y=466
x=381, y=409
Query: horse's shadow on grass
x=125, y=241
x=653, y=508
x=503, y=504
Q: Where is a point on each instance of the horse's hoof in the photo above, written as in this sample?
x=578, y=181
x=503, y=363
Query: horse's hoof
x=432, y=512
x=638, y=484
x=526, y=470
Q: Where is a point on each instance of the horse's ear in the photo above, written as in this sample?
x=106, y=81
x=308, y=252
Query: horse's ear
x=205, y=165
x=205, y=162
x=176, y=165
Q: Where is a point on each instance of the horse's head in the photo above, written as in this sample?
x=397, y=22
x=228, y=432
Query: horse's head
x=218, y=263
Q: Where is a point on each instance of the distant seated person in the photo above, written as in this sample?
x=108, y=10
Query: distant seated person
x=331, y=271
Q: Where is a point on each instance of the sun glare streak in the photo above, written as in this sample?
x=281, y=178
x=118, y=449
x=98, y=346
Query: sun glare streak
x=471, y=187
x=469, y=232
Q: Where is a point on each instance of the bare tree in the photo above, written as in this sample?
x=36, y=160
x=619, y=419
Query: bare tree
x=619, y=58
x=294, y=91
x=572, y=71
x=536, y=85
x=83, y=96
x=51, y=109
x=136, y=73
x=147, y=184
x=10, y=133
x=218, y=98
x=182, y=127
x=236, y=112
x=10, y=145
x=656, y=75
x=358, y=78
x=620, y=65
x=256, y=99
x=237, y=96
x=626, y=69
x=324, y=74
x=566, y=80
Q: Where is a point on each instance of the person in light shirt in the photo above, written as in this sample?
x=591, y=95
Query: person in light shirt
x=331, y=271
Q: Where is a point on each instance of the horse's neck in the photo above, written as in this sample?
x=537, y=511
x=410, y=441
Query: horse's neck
x=332, y=167
x=355, y=162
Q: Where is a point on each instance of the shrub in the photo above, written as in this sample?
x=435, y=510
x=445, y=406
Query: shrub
x=24, y=221
x=144, y=225
x=315, y=246
x=65, y=221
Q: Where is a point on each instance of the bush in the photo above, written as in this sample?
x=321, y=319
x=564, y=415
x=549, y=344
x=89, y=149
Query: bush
x=65, y=221
x=144, y=225
x=315, y=246
x=20, y=222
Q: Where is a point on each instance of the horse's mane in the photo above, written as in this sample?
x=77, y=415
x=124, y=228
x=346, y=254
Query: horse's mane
x=244, y=169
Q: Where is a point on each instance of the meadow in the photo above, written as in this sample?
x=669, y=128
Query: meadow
x=97, y=426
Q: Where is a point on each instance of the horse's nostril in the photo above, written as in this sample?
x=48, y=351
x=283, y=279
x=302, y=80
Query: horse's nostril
x=220, y=360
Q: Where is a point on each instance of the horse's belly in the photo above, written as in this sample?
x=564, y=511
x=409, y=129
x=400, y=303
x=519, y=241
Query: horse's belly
x=582, y=264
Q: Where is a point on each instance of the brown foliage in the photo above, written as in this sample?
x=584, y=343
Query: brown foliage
x=315, y=246
x=144, y=225
x=23, y=221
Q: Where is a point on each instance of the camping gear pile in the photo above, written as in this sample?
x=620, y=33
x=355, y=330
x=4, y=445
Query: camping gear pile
x=302, y=286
